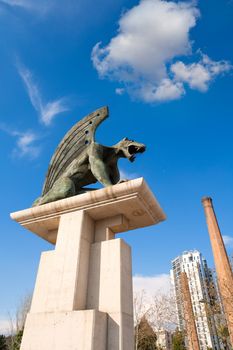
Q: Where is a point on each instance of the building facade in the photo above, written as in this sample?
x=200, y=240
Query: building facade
x=202, y=291
x=164, y=340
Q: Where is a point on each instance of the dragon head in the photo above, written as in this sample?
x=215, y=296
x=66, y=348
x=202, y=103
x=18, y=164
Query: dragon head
x=129, y=148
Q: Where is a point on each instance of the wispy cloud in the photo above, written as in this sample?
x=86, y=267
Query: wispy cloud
x=41, y=7
x=25, y=145
x=44, y=9
x=25, y=142
x=145, y=55
x=46, y=111
x=228, y=240
x=119, y=91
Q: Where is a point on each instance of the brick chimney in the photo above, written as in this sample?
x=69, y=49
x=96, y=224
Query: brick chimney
x=222, y=264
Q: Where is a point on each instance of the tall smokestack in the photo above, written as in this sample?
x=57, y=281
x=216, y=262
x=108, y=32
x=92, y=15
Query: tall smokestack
x=188, y=314
x=222, y=264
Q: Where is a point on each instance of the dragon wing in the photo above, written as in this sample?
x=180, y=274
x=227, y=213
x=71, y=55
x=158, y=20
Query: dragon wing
x=73, y=144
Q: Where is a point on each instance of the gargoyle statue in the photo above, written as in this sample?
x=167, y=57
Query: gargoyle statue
x=80, y=161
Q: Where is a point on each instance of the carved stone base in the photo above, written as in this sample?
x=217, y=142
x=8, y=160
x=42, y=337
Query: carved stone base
x=65, y=330
x=83, y=294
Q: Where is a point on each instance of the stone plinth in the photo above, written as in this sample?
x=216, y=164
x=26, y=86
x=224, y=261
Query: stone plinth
x=83, y=293
x=65, y=330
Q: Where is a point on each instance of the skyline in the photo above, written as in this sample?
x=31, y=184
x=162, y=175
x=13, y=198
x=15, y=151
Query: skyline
x=171, y=91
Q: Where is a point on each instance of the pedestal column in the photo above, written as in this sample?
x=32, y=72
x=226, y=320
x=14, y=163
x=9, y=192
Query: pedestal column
x=83, y=294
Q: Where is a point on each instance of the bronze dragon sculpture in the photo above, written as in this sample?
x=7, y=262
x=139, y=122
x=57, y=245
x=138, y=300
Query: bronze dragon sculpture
x=80, y=161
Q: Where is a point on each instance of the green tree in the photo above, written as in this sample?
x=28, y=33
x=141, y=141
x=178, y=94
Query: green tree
x=223, y=334
x=146, y=336
x=3, y=345
x=18, y=322
x=17, y=340
x=178, y=341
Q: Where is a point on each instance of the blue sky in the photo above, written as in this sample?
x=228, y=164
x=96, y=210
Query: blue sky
x=165, y=71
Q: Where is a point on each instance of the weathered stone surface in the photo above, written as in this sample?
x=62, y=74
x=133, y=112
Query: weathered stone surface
x=83, y=295
x=133, y=199
x=76, y=330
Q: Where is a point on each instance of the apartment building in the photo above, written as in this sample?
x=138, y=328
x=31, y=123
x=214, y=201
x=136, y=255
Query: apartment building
x=201, y=287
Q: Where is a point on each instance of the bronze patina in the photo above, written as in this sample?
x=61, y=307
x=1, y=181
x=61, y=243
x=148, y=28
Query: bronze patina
x=80, y=161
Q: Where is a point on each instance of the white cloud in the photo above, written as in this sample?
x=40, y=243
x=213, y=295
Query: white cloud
x=166, y=90
x=119, y=91
x=40, y=7
x=25, y=145
x=152, y=285
x=228, y=240
x=46, y=111
x=25, y=142
x=142, y=56
x=199, y=75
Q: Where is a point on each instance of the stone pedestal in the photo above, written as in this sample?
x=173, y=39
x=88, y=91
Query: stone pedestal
x=83, y=293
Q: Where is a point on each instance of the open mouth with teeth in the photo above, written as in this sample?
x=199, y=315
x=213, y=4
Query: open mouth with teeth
x=134, y=149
